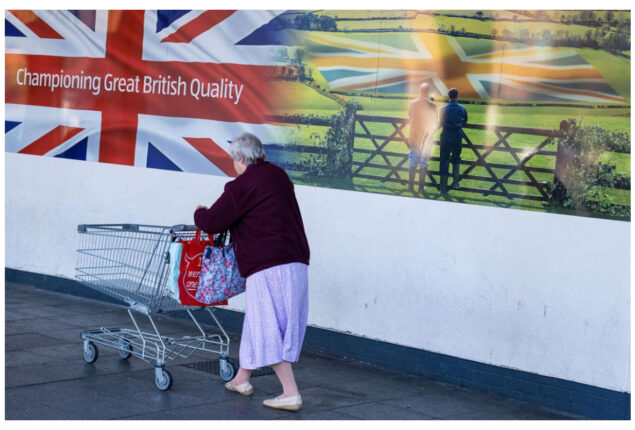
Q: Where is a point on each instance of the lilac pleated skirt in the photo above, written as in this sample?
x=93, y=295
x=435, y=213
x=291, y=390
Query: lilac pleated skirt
x=276, y=310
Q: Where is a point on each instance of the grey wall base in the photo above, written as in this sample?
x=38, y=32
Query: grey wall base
x=567, y=396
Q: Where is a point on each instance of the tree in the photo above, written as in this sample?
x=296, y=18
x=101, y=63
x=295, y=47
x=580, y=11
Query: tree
x=608, y=42
x=524, y=34
x=326, y=23
x=301, y=21
x=622, y=41
x=313, y=21
x=546, y=35
x=307, y=21
x=581, y=177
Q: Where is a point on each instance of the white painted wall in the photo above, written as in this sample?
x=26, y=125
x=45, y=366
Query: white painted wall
x=543, y=293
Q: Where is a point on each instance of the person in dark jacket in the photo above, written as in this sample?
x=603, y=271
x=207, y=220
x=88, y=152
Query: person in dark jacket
x=453, y=117
x=260, y=209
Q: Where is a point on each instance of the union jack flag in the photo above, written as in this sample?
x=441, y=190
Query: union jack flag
x=399, y=63
x=155, y=130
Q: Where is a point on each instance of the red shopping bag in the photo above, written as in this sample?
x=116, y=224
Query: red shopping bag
x=190, y=270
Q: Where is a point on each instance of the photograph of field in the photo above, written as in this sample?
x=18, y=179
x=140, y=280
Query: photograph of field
x=537, y=85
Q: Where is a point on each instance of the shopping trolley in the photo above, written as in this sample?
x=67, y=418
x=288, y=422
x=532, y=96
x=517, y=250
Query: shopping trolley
x=130, y=262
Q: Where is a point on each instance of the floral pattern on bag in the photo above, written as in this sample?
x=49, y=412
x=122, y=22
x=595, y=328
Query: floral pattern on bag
x=219, y=279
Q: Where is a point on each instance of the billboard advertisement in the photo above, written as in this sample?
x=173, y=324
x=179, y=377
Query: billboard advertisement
x=519, y=109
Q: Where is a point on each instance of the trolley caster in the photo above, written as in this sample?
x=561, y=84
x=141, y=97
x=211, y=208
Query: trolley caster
x=162, y=378
x=90, y=352
x=226, y=369
x=125, y=349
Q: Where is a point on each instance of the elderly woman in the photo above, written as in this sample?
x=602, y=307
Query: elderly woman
x=260, y=210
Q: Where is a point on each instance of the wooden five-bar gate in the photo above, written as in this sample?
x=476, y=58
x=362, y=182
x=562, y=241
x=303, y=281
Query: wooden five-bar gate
x=377, y=162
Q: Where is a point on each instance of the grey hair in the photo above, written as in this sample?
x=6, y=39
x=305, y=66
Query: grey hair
x=248, y=147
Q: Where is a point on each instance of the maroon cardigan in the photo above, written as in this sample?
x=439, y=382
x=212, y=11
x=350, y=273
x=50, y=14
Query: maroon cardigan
x=260, y=209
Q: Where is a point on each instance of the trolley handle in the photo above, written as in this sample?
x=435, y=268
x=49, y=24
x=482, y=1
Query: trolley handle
x=81, y=228
x=221, y=239
x=184, y=227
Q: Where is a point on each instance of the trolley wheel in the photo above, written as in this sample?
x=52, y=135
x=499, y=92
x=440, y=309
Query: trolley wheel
x=162, y=379
x=226, y=369
x=90, y=352
x=125, y=349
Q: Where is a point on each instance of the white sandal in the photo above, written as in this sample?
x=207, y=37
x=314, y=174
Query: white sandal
x=292, y=403
x=245, y=389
